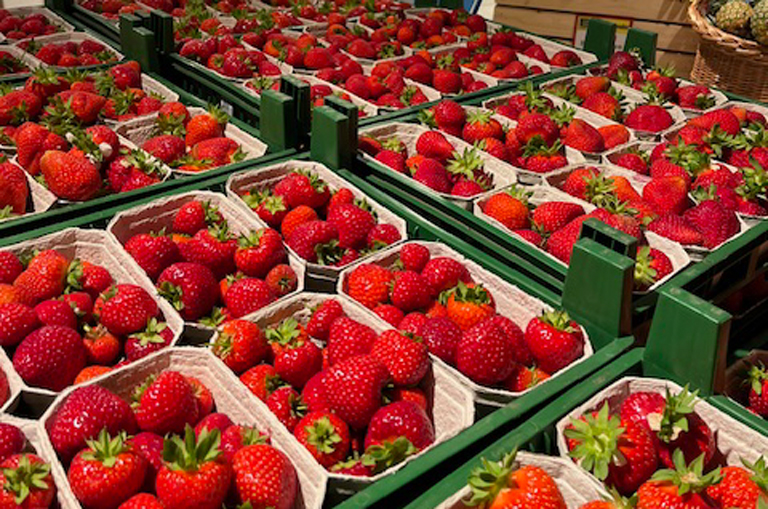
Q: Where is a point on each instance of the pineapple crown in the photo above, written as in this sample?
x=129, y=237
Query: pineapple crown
x=322, y=435
x=597, y=441
x=674, y=419
x=20, y=481
x=190, y=453
x=382, y=456
x=486, y=481
x=644, y=273
x=688, y=478
x=105, y=449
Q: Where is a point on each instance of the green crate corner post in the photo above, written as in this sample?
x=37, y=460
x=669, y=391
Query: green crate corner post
x=330, y=143
x=600, y=38
x=688, y=341
x=278, y=128
x=161, y=23
x=644, y=42
x=300, y=91
x=59, y=5
x=598, y=285
x=352, y=113
x=138, y=43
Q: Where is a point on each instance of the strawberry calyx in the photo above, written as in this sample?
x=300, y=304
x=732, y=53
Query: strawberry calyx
x=252, y=436
x=25, y=477
x=59, y=117
x=645, y=274
x=536, y=146
x=105, y=449
x=599, y=188
x=565, y=91
x=218, y=115
x=598, y=437
x=285, y=334
x=704, y=101
x=151, y=335
x=520, y=194
x=7, y=212
x=144, y=162
x=315, y=181
x=74, y=276
x=673, y=420
x=475, y=294
x=330, y=253
x=756, y=375
x=170, y=124
x=559, y=319
x=251, y=239
x=427, y=118
x=380, y=457
x=687, y=156
x=140, y=389
x=394, y=144
x=487, y=481
x=322, y=435
x=688, y=478
x=191, y=453
x=172, y=293
x=466, y=163
x=212, y=214
x=216, y=318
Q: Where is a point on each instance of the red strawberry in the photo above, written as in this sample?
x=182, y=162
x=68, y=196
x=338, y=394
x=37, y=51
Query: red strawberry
x=165, y=147
x=248, y=295
x=648, y=117
x=348, y=338
x=353, y=224
x=406, y=359
x=725, y=119
x=14, y=191
x=265, y=477
x=17, y=321
x=485, y=353
x=215, y=248
x=678, y=229
x=13, y=441
x=434, y=145
x=69, y=176
x=190, y=287
x=322, y=318
x=325, y=436
x=554, y=340
x=382, y=235
x=282, y=280
x=313, y=393
x=141, y=501
x=153, y=252
x=298, y=361
x=50, y=357
x=410, y=291
x=83, y=414
x=713, y=221
x=26, y=481
x=582, y=136
x=442, y=336
x=241, y=345
x=758, y=390
x=389, y=314
x=166, y=404
x=262, y=380
x=287, y=406
x=353, y=389
x=214, y=421
x=235, y=437
x=126, y=309
x=414, y=256
x=402, y=421
x=652, y=265
x=369, y=284
x=443, y=273
x=107, y=473
x=258, y=252
x=552, y=216
x=537, y=124
x=56, y=312
x=311, y=241
x=10, y=267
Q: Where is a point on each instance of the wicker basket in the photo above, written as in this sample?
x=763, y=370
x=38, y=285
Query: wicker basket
x=724, y=60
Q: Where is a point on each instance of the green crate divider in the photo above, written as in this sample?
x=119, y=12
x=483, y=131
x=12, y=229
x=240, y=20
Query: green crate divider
x=279, y=128
x=644, y=42
x=600, y=38
x=330, y=141
x=737, y=411
x=434, y=482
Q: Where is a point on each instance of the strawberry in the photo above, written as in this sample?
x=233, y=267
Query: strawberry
x=107, y=473
x=683, y=486
x=410, y=291
x=18, y=321
x=508, y=483
x=32, y=141
x=649, y=117
x=537, y=124
x=154, y=252
x=205, y=126
x=190, y=287
x=586, y=87
x=14, y=191
x=13, y=441
x=141, y=501
x=613, y=135
x=241, y=345
x=406, y=359
x=313, y=393
x=678, y=229
x=300, y=215
x=215, y=248
x=311, y=241
x=265, y=477
x=696, y=97
x=195, y=473
x=214, y=421
x=156, y=336
x=468, y=304
x=262, y=380
x=433, y=174
x=722, y=118
x=382, y=235
x=554, y=340
x=446, y=81
x=713, y=221
x=397, y=431
x=443, y=273
x=369, y=284
x=323, y=317
x=353, y=389
x=286, y=404
x=442, y=336
x=258, y=252
x=741, y=487
x=69, y=176
x=508, y=208
x=165, y=147
x=165, y=404
x=582, y=136
x=434, y=145
x=56, y=312
x=485, y=354
x=270, y=208
x=758, y=390
x=248, y=295
x=83, y=414
x=604, y=104
x=26, y=481
x=353, y=224
x=126, y=309
x=394, y=160
x=666, y=195
x=626, y=440
x=652, y=265
x=282, y=280
x=348, y=338
x=18, y=106
x=10, y=267
x=50, y=357
x=633, y=161
x=325, y=436
x=414, y=256
x=449, y=116
x=44, y=277
x=194, y=216
x=576, y=182
x=235, y=437
x=217, y=151
x=552, y=216
x=389, y=313
x=481, y=125
x=524, y=378
x=298, y=361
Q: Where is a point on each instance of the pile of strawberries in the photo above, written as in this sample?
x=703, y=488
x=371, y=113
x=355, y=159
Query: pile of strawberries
x=321, y=225
x=551, y=123
x=436, y=164
x=23, y=27
x=398, y=31
x=110, y=9
x=66, y=321
x=317, y=92
x=200, y=264
x=437, y=299
x=192, y=143
x=442, y=72
x=650, y=431
x=228, y=57
x=11, y=64
x=169, y=449
x=70, y=53
x=25, y=477
x=359, y=404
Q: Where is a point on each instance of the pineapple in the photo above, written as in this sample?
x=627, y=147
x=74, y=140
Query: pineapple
x=734, y=17
x=760, y=22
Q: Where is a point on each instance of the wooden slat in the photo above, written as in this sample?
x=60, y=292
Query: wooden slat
x=671, y=36
x=683, y=62
x=550, y=24
x=666, y=10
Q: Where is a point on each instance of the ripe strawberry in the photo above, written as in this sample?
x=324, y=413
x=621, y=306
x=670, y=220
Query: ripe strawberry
x=262, y=380
x=586, y=87
x=241, y=345
x=236, y=437
x=353, y=224
x=101, y=346
x=154, y=252
x=442, y=336
x=165, y=147
x=13, y=441
x=382, y=235
x=524, y=378
x=214, y=421
x=468, y=304
x=312, y=240
x=348, y=338
x=107, y=473
x=552, y=216
x=265, y=477
x=325, y=436
x=165, y=404
x=409, y=291
x=536, y=124
x=626, y=440
x=434, y=145
x=191, y=288
x=554, y=340
x=14, y=191
x=666, y=195
x=26, y=481
x=406, y=358
x=270, y=208
x=195, y=473
x=696, y=97
x=723, y=118
x=215, y=248
x=10, y=267
x=287, y=406
x=485, y=354
x=446, y=81
x=449, y=115
x=683, y=486
x=713, y=221
x=433, y=174
x=194, y=216
x=302, y=188
x=369, y=284
x=479, y=126
x=613, y=135
x=604, y=104
x=205, y=126
x=17, y=321
x=353, y=389
x=69, y=176
x=678, y=229
x=282, y=280
x=258, y=252
x=389, y=313
x=248, y=295
x=83, y=414
x=141, y=501
x=322, y=318
x=50, y=357
x=126, y=309
x=298, y=361
x=443, y=273
x=300, y=215
x=741, y=487
x=510, y=208
x=633, y=161
x=399, y=424
x=582, y=136
x=414, y=256
x=649, y=117
x=758, y=391
x=652, y=265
